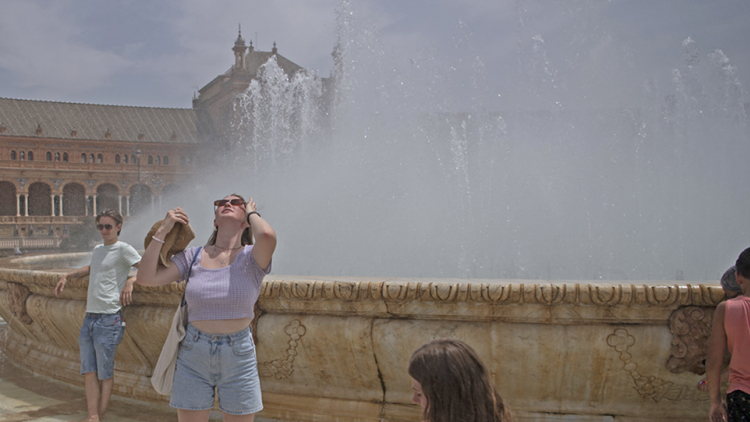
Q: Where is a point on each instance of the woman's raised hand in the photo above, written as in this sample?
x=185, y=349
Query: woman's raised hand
x=175, y=215
x=250, y=205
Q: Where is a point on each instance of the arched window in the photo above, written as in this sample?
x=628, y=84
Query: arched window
x=117, y=158
x=83, y=157
x=158, y=160
x=57, y=156
x=165, y=160
x=31, y=155
x=12, y=155
x=49, y=156
x=91, y=158
x=150, y=159
x=99, y=158
x=65, y=157
x=21, y=155
x=132, y=159
x=125, y=158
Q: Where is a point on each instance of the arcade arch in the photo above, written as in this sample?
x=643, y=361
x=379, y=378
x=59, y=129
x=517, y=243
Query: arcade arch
x=40, y=202
x=107, y=197
x=140, y=198
x=7, y=198
x=74, y=199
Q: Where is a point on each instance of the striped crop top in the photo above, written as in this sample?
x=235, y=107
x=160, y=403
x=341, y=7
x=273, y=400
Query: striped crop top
x=221, y=293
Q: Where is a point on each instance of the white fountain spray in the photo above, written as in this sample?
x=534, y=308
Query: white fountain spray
x=408, y=172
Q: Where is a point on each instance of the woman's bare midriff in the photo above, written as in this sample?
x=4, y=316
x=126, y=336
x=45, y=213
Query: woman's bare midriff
x=221, y=326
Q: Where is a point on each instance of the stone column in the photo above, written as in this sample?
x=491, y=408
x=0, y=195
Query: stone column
x=26, y=201
x=52, y=203
x=18, y=205
x=127, y=205
x=62, y=214
x=93, y=204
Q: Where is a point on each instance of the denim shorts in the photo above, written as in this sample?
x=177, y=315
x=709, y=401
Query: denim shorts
x=225, y=363
x=98, y=341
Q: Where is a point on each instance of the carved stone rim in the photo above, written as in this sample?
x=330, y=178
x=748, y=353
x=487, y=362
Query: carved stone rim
x=457, y=291
x=490, y=291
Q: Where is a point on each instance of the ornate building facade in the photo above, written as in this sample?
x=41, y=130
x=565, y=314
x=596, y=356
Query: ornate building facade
x=61, y=162
x=215, y=105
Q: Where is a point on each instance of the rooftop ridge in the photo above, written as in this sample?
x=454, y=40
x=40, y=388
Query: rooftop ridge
x=95, y=104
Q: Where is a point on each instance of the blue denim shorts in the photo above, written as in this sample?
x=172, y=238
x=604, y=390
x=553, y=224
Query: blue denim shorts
x=225, y=363
x=98, y=341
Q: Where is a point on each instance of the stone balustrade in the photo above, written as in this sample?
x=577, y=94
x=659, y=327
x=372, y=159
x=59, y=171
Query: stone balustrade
x=337, y=348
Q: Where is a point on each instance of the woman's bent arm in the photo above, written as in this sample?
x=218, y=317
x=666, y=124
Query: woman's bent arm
x=264, y=235
x=149, y=271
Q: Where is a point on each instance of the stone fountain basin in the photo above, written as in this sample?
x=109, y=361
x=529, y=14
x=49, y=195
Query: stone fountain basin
x=336, y=348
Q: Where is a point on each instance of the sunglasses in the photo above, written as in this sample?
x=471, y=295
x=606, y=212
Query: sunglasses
x=236, y=202
x=103, y=226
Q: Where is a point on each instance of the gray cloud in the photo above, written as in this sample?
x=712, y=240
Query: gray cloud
x=157, y=53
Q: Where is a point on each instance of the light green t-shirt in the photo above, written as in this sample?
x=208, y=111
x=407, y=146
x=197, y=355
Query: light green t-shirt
x=110, y=265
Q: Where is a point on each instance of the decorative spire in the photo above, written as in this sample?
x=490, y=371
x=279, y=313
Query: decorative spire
x=240, y=40
x=239, y=51
x=275, y=50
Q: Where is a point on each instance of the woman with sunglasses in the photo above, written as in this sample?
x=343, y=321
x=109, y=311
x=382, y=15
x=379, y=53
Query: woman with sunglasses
x=103, y=326
x=218, y=353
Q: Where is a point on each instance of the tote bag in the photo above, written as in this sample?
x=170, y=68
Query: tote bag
x=163, y=375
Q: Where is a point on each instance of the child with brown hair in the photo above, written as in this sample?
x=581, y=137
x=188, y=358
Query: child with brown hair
x=451, y=383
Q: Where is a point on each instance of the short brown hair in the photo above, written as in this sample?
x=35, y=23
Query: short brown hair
x=115, y=215
x=456, y=384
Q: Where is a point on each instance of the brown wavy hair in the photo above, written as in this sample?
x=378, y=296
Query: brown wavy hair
x=456, y=384
x=247, y=235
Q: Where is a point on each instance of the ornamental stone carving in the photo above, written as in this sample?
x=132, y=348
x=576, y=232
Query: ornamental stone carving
x=284, y=367
x=649, y=386
x=691, y=329
x=543, y=294
x=18, y=295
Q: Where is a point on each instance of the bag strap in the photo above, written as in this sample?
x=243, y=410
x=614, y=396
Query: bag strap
x=190, y=270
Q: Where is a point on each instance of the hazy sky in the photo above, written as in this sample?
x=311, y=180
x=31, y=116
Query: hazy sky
x=157, y=53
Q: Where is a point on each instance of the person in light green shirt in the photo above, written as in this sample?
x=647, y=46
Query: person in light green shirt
x=103, y=327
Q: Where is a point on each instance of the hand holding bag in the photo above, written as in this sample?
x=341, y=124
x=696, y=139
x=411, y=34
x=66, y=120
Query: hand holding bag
x=163, y=375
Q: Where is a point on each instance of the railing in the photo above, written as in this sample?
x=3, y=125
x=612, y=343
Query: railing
x=119, y=167
x=42, y=219
x=29, y=242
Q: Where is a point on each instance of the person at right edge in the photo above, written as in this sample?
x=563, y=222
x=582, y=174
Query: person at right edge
x=217, y=355
x=731, y=331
